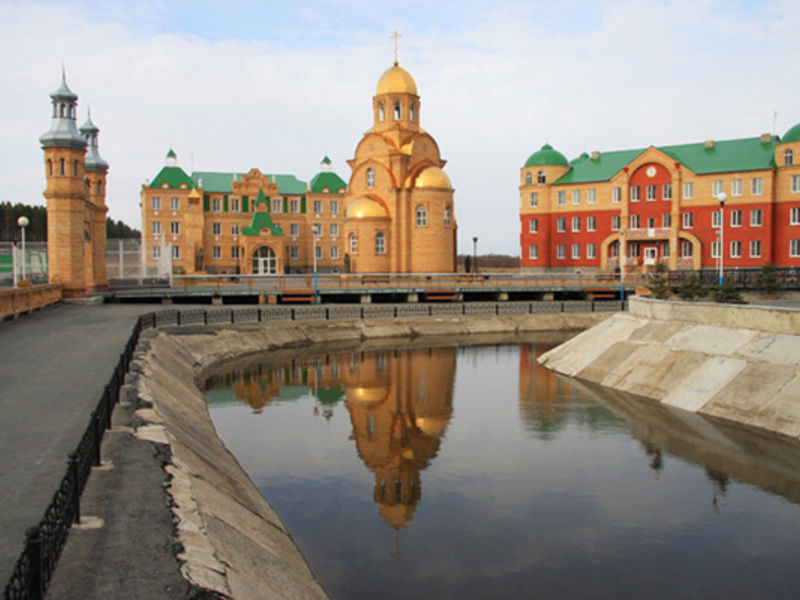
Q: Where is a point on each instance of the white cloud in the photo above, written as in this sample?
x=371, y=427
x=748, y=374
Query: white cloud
x=496, y=83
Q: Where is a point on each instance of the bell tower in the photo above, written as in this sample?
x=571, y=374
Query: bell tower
x=69, y=233
x=96, y=171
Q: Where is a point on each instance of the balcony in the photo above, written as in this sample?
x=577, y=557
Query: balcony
x=647, y=233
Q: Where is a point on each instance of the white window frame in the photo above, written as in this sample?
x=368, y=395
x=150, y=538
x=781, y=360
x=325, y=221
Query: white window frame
x=576, y=197
x=651, y=192
x=736, y=249
x=757, y=186
x=294, y=229
x=736, y=187
x=176, y=252
x=334, y=230
x=277, y=206
x=156, y=252
x=636, y=193
x=317, y=207
x=755, y=248
x=235, y=252
x=688, y=190
x=561, y=252
x=216, y=204
x=717, y=187
x=156, y=227
x=634, y=221
x=756, y=217
x=666, y=220
x=533, y=226
x=788, y=157
x=715, y=249
x=318, y=251
x=155, y=203
x=533, y=252
x=561, y=224
x=687, y=249
x=294, y=252
x=534, y=199
x=575, y=226
x=794, y=215
x=380, y=243
x=174, y=203
x=235, y=229
x=174, y=228
x=591, y=251
x=562, y=197
x=352, y=242
x=216, y=252
x=334, y=207
x=688, y=220
x=666, y=191
x=235, y=205
x=216, y=228
x=294, y=205
x=616, y=195
x=421, y=213
x=591, y=223
x=575, y=252
x=716, y=219
x=591, y=196
x=795, y=184
x=370, y=177
x=616, y=222
x=794, y=248
x=334, y=252
x=736, y=218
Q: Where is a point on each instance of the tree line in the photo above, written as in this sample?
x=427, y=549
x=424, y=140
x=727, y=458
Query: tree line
x=36, y=231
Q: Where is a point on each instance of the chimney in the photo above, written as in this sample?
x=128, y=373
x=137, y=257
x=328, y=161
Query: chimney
x=709, y=145
x=595, y=155
x=766, y=138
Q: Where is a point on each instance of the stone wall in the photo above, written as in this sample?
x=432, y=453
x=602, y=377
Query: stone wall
x=20, y=300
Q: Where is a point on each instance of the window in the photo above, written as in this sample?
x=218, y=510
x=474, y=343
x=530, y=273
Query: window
x=235, y=229
x=174, y=203
x=591, y=196
x=796, y=184
x=576, y=197
x=591, y=251
x=448, y=216
x=156, y=252
x=665, y=250
x=334, y=207
x=788, y=157
x=216, y=204
x=294, y=252
x=334, y=252
x=688, y=220
x=652, y=192
x=688, y=190
x=736, y=218
x=541, y=177
x=736, y=249
x=317, y=207
x=294, y=205
x=176, y=253
x=155, y=203
x=717, y=187
x=398, y=112
x=216, y=229
x=49, y=167
x=561, y=225
x=217, y=252
x=294, y=229
x=562, y=197
x=533, y=252
x=175, y=228
x=616, y=194
x=413, y=112
x=756, y=217
x=794, y=216
x=370, y=177
x=715, y=249
x=613, y=250
x=633, y=220
x=156, y=227
x=533, y=226
x=561, y=251
x=318, y=251
x=755, y=248
x=277, y=206
x=615, y=222
x=334, y=229
x=591, y=223
x=381, y=112
x=757, y=186
x=353, y=244
x=62, y=167
x=635, y=191
x=794, y=248
x=687, y=250
x=736, y=187
x=716, y=219
x=667, y=191
x=575, y=251
x=576, y=223
x=666, y=220
x=380, y=243
x=534, y=198
x=651, y=222
x=316, y=230
x=633, y=250
x=75, y=167
x=422, y=216
x=528, y=178
x=235, y=252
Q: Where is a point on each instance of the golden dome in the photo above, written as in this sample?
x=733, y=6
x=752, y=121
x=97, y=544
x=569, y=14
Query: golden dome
x=431, y=426
x=398, y=515
x=367, y=395
x=365, y=208
x=433, y=177
x=194, y=194
x=396, y=80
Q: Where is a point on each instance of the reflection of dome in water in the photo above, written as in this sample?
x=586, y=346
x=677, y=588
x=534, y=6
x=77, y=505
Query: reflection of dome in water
x=397, y=515
x=367, y=394
x=431, y=426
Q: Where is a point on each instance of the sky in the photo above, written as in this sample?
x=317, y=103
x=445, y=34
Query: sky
x=278, y=85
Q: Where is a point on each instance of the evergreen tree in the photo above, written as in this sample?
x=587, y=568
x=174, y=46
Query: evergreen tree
x=727, y=293
x=768, y=281
x=692, y=288
x=659, y=282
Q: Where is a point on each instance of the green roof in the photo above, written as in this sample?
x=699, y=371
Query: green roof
x=747, y=154
x=219, y=182
x=171, y=154
x=793, y=135
x=261, y=199
x=329, y=180
x=173, y=176
x=288, y=184
x=546, y=156
x=261, y=220
x=326, y=160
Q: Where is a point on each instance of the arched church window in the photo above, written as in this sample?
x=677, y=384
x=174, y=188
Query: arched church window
x=63, y=167
x=381, y=112
x=528, y=178
x=99, y=187
x=398, y=112
x=413, y=112
x=422, y=216
x=380, y=243
x=788, y=157
x=49, y=167
x=448, y=216
x=75, y=167
x=370, y=178
x=353, y=243
x=541, y=177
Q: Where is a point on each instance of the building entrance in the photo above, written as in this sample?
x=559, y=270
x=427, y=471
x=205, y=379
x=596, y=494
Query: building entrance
x=264, y=261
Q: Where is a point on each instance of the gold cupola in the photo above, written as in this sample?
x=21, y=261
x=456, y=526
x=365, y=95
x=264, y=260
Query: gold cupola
x=396, y=80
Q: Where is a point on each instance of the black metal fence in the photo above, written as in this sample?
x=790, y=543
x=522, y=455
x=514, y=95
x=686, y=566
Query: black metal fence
x=44, y=542
x=748, y=279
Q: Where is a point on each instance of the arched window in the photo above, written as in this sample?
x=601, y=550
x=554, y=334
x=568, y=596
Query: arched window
x=788, y=157
x=413, y=112
x=528, y=178
x=422, y=216
x=99, y=187
x=541, y=177
x=448, y=216
x=49, y=167
x=75, y=167
x=381, y=112
x=380, y=243
x=63, y=167
x=398, y=113
x=353, y=243
x=370, y=178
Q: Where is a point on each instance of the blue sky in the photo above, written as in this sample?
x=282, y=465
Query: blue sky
x=278, y=85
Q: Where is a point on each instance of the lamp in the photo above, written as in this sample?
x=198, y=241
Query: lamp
x=722, y=196
x=23, y=222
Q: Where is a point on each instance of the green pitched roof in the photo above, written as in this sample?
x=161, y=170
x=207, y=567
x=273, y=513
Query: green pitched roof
x=173, y=176
x=261, y=199
x=546, y=156
x=219, y=182
x=171, y=154
x=747, y=154
x=288, y=184
x=326, y=160
x=793, y=135
x=328, y=180
x=261, y=220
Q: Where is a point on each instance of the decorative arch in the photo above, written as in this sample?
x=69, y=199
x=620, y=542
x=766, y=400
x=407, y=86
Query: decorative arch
x=697, y=248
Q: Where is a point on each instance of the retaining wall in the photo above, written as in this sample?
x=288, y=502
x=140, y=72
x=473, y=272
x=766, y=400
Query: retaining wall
x=20, y=300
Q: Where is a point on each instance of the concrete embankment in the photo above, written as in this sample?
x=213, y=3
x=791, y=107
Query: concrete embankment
x=233, y=543
x=737, y=363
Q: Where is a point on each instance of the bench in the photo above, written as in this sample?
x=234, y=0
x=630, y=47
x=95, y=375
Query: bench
x=444, y=295
x=306, y=296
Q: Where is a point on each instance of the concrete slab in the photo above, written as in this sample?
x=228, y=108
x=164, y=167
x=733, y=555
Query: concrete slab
x=780, y=349
x=650, y=371
x=782, y=411
x=699, y=386
x=712, y=340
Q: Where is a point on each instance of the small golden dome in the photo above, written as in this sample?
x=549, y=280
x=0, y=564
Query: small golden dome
x=396, y=80
x=432, y=427
x=365, y=208
x=194, y=194
x=367, y=395
x=433, y=177
x=397, y=516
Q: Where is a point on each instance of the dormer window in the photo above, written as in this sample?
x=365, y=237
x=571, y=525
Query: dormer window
x=398, y=112
x=541, y=177
x=370, y=178
x=788, y=157
x=381, y=112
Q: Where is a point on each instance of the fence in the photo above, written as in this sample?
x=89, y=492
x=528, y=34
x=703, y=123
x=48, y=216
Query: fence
x=44, y=542
x=14, y=264
x=127, y=267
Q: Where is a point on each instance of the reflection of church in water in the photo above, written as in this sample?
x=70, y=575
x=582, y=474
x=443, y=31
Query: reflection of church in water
x=400, y=404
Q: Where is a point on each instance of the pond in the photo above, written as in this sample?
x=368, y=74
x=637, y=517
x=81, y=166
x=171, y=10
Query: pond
x=471, y=472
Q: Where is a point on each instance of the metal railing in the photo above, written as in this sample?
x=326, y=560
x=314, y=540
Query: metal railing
x=44, y=542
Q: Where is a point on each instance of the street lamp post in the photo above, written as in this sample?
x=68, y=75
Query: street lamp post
x=722, y=196
x=621, y=255
x=23, y=222
x=315, y=236
x=475, y=254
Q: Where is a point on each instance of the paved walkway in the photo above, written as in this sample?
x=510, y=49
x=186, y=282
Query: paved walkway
x=54, y=364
